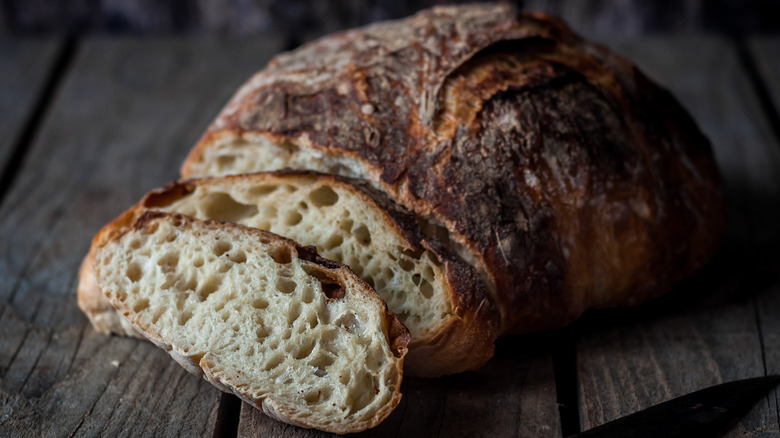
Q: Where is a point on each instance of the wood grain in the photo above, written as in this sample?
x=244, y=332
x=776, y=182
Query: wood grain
x=766, y=54
x=24, y=67
x=121, y=123
x=513, y=395
x=707, y=331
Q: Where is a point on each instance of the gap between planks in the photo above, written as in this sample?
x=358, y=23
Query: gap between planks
x=760, y=87
x=52, y=82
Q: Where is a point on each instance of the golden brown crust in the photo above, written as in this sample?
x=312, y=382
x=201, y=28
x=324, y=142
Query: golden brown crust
x=464, y=342
x=571, y=179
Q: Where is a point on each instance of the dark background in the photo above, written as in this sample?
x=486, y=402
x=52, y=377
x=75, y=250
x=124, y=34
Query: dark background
x=301, y=20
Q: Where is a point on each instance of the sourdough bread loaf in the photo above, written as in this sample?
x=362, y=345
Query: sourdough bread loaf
x=296, y=335
x=566, y=177
x=437, y=296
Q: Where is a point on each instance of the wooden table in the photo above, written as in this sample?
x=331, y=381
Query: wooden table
x=90, y=125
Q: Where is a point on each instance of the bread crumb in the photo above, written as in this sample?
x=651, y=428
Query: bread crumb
x=115, y=363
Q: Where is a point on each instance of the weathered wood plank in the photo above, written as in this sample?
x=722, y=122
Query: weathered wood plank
x=766, y=55
x=707, y=331
x=24, y=67
x=513, y=395
x=121, y=123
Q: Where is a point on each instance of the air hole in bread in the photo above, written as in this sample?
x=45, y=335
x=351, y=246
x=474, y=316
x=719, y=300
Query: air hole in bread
x=170, y=237
x=406, y=265
x=135, y=244
x=226, y=161
x=334, y=241
x=333, y=291
x=365, y=394
x=346, y=225
x=221, y=247
x=262, y=190
x=292, y=218
x=303, y=205
x=184, y=316
x=237, y=256
x=322, y=361
x=261, y=333
x=412, y=254
x=293, y=313
x=307, y=294
x=312, y=319
x=304, y=349
x=357, y=267
x=274, y=362
x=362, y=235
x=260, y=303
x=280, y=254
x=351, y=323
x=209, y=287
x=321, y=395
x=187, y=284
x=337, y=255
x=285, y=285
x=198, y=262
x=426, y=289
x=324, y=196
x=416, y=279
x=140, y=305
x=223, y=207
x=133, y=272
x=168, y=262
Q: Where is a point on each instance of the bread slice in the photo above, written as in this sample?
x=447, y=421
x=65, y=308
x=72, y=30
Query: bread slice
x=300, y=337
x=436, y=295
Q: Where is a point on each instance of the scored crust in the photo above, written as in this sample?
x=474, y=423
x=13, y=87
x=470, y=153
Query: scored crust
x=555, y=167
x=121, y=243
x=460, y=340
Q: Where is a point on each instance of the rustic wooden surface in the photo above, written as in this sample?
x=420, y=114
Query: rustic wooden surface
x=125, y=115
x=513, y=395
x=124, y=112
x=24, y=67
x=711, y=329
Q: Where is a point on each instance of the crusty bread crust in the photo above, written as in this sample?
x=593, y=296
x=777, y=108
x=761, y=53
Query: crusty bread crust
x=559, y=170
x=464, y=341
x=396, y=335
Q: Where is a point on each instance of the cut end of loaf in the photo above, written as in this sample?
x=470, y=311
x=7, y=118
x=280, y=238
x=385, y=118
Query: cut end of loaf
x=306, y=342
x=344, y=225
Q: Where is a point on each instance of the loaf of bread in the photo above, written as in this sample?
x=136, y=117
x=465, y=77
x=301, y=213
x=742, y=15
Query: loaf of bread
x=554, y=167
x=436, y=295
x=296, y=335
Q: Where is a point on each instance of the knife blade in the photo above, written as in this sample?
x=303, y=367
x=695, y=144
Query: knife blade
x=707, y=412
